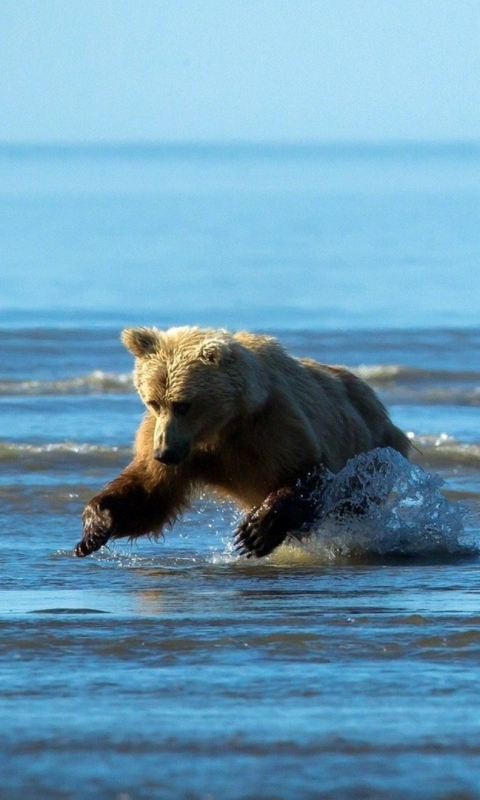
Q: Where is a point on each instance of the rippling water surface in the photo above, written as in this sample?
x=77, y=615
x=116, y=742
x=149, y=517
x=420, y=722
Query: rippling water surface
x=345, y=666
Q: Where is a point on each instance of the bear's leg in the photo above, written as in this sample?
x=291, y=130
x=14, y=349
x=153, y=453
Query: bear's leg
x=291, y=508
x=126, y=508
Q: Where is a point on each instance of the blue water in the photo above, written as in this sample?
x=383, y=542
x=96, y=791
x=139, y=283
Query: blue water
x=300, y=238
x=343, y=667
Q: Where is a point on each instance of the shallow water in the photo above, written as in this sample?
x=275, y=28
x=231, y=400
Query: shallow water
x=343, y=667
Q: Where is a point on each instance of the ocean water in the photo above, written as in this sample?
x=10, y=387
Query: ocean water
x=345, y=666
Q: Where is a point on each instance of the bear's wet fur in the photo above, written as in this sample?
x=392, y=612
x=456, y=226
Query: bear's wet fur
x=236, y=414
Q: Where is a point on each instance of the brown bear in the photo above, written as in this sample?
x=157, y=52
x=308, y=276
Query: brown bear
x=234, y=413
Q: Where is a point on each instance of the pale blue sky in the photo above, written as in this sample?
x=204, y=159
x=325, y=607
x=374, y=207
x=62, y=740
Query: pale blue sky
x=229, y=70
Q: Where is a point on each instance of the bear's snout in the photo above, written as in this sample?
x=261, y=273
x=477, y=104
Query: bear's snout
x=170, y=456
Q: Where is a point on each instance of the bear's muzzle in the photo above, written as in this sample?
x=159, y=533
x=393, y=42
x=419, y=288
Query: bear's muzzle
x=171, y=456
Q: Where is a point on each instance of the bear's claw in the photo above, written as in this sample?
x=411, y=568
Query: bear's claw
x=265, y=527
x=286, y=511
x=97, y=530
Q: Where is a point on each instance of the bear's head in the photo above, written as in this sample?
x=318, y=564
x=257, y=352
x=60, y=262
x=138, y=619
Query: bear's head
x=195, y=382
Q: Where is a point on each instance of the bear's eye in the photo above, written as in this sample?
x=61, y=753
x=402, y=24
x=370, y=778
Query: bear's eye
x=181, y=408
x=154, y=406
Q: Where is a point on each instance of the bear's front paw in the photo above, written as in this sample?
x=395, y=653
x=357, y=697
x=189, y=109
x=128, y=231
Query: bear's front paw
x=97, y=529
x=264, y=528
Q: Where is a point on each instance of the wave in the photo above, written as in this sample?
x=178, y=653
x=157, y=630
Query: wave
x=380, y=374
x=445, y=450
x=433, y=397
x=402, y=385
x=409, y=385
x=442, y=450
x=96, y=382
x=36, y=457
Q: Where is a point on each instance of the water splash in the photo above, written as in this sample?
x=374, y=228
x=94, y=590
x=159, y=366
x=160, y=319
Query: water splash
x=403, y=513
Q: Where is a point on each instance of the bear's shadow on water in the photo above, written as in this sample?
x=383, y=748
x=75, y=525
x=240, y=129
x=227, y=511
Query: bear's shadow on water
x=405, y=518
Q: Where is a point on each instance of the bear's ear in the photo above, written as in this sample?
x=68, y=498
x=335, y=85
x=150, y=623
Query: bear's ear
x=140, y=341
x=215, y=352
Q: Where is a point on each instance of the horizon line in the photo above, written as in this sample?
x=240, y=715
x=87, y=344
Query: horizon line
x=243, y=144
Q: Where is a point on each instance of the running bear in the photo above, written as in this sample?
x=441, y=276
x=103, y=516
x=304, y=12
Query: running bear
x=234, y=413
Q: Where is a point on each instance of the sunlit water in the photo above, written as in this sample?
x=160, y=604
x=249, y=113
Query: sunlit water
x=346, y=664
